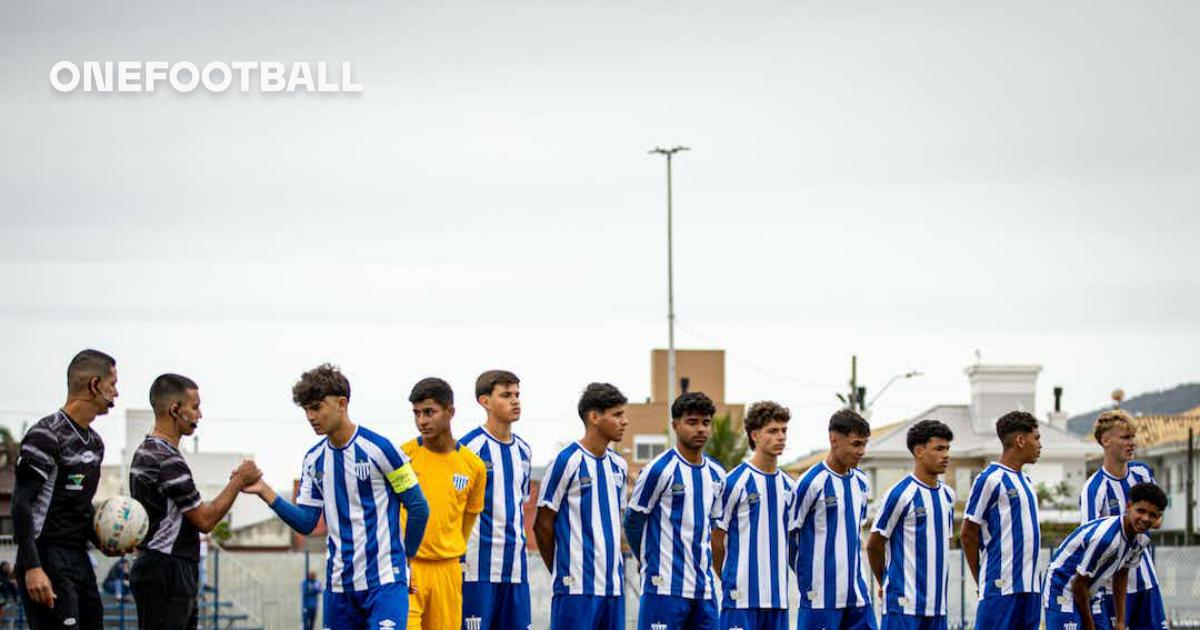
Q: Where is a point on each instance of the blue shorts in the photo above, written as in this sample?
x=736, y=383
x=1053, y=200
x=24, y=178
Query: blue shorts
x=1144, y=610
x=1019, y=611
x=587, y=612
x=1059, y=620
x=754, y=619
x=367, y=610
x=663, y=612
x=496, y=606
x=897, y=621
x=861, y=618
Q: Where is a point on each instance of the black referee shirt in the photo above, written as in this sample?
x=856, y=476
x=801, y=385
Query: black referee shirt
x=68, y=457
x=161, y=481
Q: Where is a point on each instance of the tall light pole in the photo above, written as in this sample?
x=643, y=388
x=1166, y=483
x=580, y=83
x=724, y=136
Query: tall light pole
x=670, y=153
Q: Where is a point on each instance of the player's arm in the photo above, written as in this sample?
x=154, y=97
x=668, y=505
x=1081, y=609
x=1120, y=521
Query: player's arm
x=635, y=524
x=718, y=545
x=969, y=536
x=543, y=531
x=876, y=544
x=475, y=498
x=1120, y=586
x=28, y=486
x=1082, y=599
x=403, y=481
x=301, y=518
x=207, y=514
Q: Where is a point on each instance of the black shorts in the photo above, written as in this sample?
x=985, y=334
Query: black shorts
x=164, y=589
x=77, y=604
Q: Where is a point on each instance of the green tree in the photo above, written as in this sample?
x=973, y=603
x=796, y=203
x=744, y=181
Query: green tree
x=727, y=444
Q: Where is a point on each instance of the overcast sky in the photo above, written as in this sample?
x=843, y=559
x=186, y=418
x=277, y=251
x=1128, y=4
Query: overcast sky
x=910, y=183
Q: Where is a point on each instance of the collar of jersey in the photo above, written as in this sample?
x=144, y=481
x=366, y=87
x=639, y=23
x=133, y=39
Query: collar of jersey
x=1128, y=470
x=353, y=437
x=483, y=427
x=684, y=460
x=761, y=471
x=925, y=485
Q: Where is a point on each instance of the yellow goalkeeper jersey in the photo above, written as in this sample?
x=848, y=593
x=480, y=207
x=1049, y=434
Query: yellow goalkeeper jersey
x=453, y=484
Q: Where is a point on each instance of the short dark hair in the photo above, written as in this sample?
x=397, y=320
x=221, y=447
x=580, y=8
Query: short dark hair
x=487, y=382
x=761, y=413
x=314, y=385
x=1149, y=493
x=85, y=366
x=920, y=433
x=432, y=387
x=169, y=388
x=692, y=402
x=600, y=397
x=847, y=421
x=1012, y=423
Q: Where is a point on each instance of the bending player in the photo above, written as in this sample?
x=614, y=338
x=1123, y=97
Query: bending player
x=578, y=525
x=453, y=480
x=909, y=547
x=1106, y=493
x=750, y=536
x=1002, y=512
x=1096, y=554
x=829, y=506
x=495, y=569
x=669, y=524
x=357, y=480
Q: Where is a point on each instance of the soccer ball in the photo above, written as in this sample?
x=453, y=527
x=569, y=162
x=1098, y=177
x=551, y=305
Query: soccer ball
x=121, y=523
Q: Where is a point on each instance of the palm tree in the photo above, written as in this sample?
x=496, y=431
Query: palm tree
x=727, y=444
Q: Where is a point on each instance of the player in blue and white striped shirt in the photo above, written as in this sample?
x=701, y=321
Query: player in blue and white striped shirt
x=829, y=507
x=909, y=547
x=1095, y=554
x=750, y=537
x=578, y=524
x=669, y=524
x=495, y=569
x=1002, y=511
x=358, y=481
x=1106, y=493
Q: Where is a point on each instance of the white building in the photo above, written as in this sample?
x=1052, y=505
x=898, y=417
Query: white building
x=995, y=390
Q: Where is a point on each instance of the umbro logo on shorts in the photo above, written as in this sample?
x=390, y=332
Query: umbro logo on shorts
x=387, y=624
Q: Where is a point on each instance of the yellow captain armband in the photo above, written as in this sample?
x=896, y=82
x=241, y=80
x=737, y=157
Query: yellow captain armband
x=402, y=478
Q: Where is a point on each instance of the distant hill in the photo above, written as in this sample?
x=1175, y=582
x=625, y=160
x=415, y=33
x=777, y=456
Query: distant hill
x=1175, y=400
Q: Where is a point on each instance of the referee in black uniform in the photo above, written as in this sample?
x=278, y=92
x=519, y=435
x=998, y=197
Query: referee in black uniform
x=57, y=474
x=164, y=578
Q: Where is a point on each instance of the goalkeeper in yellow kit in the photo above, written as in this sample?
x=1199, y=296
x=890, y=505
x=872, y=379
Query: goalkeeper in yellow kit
x=454, y=480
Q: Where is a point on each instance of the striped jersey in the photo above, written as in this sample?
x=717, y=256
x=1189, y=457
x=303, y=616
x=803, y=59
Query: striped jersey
x=588, y=495
x=1095, y=551
x=828, y=511
x=496, y=548
x=918, y=521
x=1106, y=495
x=68, y=457
x=1005, y=507
x=162, y=482
x=754, y=516
x=358, y=487
x=681, y=501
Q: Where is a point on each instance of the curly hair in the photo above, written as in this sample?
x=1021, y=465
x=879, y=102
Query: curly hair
x=847, y=421
x=314, y=385
x=1012, y=423
x=920, y=433
x=600, y=397
x=692, y=402
x=1110, y=419
x=761, y=413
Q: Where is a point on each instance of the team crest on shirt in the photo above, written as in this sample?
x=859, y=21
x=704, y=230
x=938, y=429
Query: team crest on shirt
x=362, y=470
x=753, y=497
x=460, y=481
